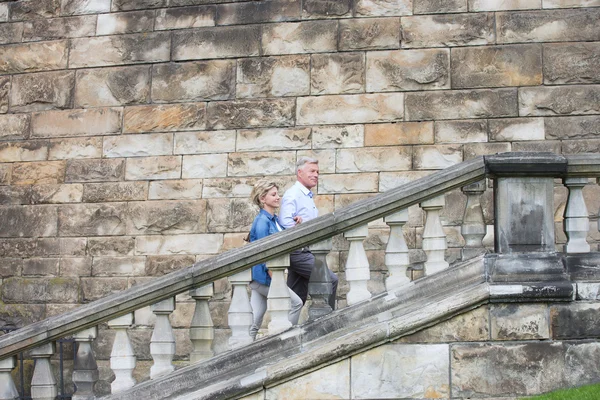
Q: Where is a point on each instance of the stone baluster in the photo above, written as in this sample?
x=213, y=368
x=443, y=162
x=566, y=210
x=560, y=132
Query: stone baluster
x=319, y=285
x=8, y=390
x=576, y=222
x=278, y=300
x=43, y=384
x=162, y=342
x=473, y=228
x=122, y=357
x=357, y=266
x=240, y=310
x=396, y=251
x=85, y=370
x=434, y=238
x=202, y=331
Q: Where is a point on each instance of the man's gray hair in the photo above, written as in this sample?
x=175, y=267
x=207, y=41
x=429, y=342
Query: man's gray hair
x=305, y=160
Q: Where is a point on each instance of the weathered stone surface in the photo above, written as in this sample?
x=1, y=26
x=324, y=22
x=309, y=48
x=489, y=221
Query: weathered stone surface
x=41, y=267
x=42, y=194
x=155, y=144
x=92, y=219
x=239, y=187
x=97, y=288
x=374, y=159
x=64, y=149
x=326, y=159
x=40, y=172
x=24, y=151
x=348, y=183
x=4, y=92
x=193, y=81
x=14, y=126
x=14, y=316
x=512, y=129
x=337, y=73
x=69, y=123
x=166, y=217
x=178, y=244
x=74, y=7
x=118, y=191
x=437, y=157
x=369, y=34
x=481, y=149
x=548, y=26
x=112, y=86
x=149, y=168
x=34, y=221
x=9, y=267
x=95, y=170
x=569, y=63
x=439, y=6
x=373, y=8
x=300, y=37
x=127, y=22
x=124, y=5
x=588, y=291
x=257, y=12
x=5, y=174
x=519, y=322
x=33, y=57
x=42, y=91
x=390, y=180
x=460, y=131
x=204, y=142
x=496, y=66
x=448, y=30
x=185, y=18
x=11, y=32
x=250, y=113
x=569, y=3
x=204, y=166
x=40, y=290
x=118, y=266
x=261, y=164
x=331, y=382
x=350, y=109
x=487, y=5
x=572, y=127
x=273, y=139
x=80, y=266
x=175, y=190
x=123, y=49
x=575, y=320
x=59, y=28
x=326, y=8
x=219, y=42
x=165, y=118
x=273, y=76
x=559, y=100
x=338, y=136
x=461, y=104
x=111, y=246
x=34, y=9
x=230, y=215
x=162, y=265
x=552, y=146
x=580, y=146
x=3, y=12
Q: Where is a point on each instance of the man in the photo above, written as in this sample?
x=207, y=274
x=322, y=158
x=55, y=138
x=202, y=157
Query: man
x=297, y=205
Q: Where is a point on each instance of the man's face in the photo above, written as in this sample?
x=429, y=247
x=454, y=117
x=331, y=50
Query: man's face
x=308, y=175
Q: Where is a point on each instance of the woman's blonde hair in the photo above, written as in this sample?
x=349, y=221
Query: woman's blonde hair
x=260, y=189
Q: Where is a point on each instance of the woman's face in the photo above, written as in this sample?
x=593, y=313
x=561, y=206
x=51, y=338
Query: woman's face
x=271, y=199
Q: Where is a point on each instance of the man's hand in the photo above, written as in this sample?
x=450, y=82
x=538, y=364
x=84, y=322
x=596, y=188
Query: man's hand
x=298, y=219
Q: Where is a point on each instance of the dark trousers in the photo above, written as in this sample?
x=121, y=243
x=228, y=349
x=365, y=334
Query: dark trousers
x=301, y=266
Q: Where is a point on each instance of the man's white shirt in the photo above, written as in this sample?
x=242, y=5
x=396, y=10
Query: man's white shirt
x=297, y=200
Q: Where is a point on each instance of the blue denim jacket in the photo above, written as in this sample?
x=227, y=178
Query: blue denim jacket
x=263, y=225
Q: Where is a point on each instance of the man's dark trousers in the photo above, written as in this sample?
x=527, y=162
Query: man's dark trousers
x=301, y=266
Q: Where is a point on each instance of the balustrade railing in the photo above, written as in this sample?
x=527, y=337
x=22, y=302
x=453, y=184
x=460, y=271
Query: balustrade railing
x=508, y=170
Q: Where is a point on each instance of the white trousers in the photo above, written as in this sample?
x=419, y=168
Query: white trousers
x=258, y=301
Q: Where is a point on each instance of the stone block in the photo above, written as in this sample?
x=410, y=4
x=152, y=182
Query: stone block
x=300, y=37
x=125, y=5
x=14, y=126
x=165, y=118
x=374, y=159
x=402, y=133
x=569, y=63
x=41, y=267
x=450, y=30
x=230, y=215
x=188, y=189
x=3, y=12
x=588, y=291
x=126, y=22
x=115, y=191
x=344, y=109
x=437, y=157
x=273, y=76
x=185, y=18
x=120, y=49
x=261, y=164
x=403, y=371
x=95, y=170
x=497, y=66
x=74, y=7
x=572, y=127
x=461, y=104
x=118, y=266
x=466, y=131
x=150, y=168
x=326, y=9
x=80, y=266
x=59, y=28
x=408, y=70
x=110, y=246
x=331, y=382
x=97, y=288
x=580, y=146
x=162, y=265
x=514, y=129
x=10, y=267
x=551, y=146
x=69, y=123
x=390, y=180
x=338, y=136
x=204, y=166
x=54, y=194
x=24, y=151
x=374, y=8
x=11, y=32
x=4, y=92
x=34, y=9
x=569, y=3
x=487, y=5
x=439, y=6
x=40, y=290
x=575, y=321
x=38, y=172
x=178, y=244
x=574, y=25
x=64, y=149
x=473, y=150
x=250, y=113
x=92, y=219
x=337, y=73
x=114, y=86
x=326, y=159
x=240, y=13
x=348, y=183
x=144, y=145
x=519, y=322
x=204, y=142
x=273, y=139
x=369, y=34
x=42, y=91
x=21, y=315
x=32, y=57
x=218, y=42
x=559, y=100
x=166, y=217
x=238, y=187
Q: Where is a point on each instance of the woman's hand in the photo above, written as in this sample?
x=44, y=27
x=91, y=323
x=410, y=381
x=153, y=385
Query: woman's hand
x=270, y=273
x=298, y=219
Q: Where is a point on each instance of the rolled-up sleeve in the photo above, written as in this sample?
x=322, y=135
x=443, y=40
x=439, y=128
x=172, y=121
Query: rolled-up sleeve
x=287, y=212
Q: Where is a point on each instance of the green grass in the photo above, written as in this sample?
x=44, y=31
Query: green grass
x=591, y=392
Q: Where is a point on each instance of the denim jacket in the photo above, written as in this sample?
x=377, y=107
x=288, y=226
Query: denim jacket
x=264, y=225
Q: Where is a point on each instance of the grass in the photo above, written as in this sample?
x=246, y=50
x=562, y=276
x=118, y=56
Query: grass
x=591, y=392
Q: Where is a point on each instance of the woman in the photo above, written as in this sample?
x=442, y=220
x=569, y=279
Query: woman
x=265, y=195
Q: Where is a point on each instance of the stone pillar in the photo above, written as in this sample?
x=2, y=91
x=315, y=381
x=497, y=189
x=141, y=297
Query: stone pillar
x=162, y=342
x=576, y=221
x=358, y=272
x=122, y=357
x=434, y=238
x=85, y=370
x=8, y=390
x=473, y=227
x=202, y=331
x=240, y=310
x=43, y=384
x=319, y=285
x=396, y=251
x=278, y=300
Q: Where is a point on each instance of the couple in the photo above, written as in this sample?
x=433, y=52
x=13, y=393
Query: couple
x=297, y=206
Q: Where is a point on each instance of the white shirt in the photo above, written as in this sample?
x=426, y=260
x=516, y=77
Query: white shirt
x=297, y=200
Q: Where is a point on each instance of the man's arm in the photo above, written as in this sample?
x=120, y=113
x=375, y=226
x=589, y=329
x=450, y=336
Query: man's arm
x=287, y=212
